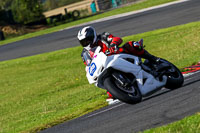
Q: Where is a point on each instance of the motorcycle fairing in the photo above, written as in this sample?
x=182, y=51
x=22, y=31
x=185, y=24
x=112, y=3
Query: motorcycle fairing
x=120, y=63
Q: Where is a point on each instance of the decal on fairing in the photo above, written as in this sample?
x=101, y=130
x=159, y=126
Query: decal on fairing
x=92, y=69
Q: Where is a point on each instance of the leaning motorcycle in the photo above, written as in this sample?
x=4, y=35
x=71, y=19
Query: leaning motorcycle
x=127, y=77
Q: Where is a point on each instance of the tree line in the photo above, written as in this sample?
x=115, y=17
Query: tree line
x=27, y=11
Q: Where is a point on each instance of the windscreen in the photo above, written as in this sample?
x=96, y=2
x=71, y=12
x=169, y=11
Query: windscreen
x=87, y=58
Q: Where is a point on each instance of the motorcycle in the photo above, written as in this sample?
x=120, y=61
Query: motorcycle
x=127, y=77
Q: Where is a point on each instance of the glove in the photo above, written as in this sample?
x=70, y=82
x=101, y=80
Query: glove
x=138, y=45
x=113, y=48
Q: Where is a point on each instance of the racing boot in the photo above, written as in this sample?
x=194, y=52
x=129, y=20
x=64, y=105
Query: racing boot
x=156, y=64
x=150, y=57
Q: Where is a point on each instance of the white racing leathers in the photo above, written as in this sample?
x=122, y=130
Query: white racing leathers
x=101, y=62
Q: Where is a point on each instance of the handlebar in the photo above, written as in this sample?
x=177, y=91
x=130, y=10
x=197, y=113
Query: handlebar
x=115, y=51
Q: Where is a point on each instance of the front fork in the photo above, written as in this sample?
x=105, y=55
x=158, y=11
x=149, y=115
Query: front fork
x=122, y=79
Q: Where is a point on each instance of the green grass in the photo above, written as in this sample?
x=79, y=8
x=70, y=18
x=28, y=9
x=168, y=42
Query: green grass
x=40, y=91
x=142, y=5
x=43, y=90
x=187, y=125
x=179, y=44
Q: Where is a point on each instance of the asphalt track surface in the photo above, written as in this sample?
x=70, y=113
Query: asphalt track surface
x=161, y=108
x=123, y=26
x=164, y=107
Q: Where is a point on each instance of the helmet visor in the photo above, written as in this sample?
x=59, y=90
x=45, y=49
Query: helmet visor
x=87, y=41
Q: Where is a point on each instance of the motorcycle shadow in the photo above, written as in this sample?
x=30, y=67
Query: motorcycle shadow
x=165, y=90
x=191, y=82
x=161, y=92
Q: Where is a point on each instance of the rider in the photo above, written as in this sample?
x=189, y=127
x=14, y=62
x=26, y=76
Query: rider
x=88, y=39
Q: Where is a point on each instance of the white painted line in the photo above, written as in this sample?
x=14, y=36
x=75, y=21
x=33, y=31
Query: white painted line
x=128, y=13
x=189, y=74
x=139, y=11
x=187, y=79
x=105, y=110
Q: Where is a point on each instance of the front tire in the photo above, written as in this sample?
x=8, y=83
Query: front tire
x=123, y=96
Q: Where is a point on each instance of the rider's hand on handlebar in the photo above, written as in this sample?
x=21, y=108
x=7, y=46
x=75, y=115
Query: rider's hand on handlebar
x=138, y=45
x=113, y=48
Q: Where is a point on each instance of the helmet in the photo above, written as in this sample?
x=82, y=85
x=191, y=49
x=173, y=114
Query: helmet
x=87, y=36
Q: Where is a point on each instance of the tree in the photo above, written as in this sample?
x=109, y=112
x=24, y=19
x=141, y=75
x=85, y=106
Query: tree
x=27, y=11
x=5, y=4
x=50, y=4
x=5, y=12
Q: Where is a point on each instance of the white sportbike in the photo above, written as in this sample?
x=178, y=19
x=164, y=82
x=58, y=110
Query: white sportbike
x=127, y=78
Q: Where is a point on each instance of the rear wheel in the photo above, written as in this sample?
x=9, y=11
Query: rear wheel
x=129, y=95
x=175, y=78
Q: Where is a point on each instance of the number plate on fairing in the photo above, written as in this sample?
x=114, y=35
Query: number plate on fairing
x=92, y=69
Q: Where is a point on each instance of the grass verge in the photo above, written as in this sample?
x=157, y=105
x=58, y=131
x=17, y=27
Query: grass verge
x=40, y=91
x=142, y=5
x=187, y=125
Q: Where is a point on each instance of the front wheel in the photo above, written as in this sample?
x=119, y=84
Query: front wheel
x=131, y=96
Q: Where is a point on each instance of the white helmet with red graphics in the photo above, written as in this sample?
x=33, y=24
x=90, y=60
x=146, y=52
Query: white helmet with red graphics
x=87, y=36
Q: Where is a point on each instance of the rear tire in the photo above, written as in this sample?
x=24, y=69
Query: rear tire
x=123, y=96
x=175, y=79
